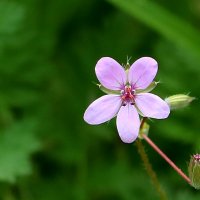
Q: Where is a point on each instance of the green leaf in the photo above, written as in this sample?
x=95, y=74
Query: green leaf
x=11, y=16
x=165, y=23
x=17, y=143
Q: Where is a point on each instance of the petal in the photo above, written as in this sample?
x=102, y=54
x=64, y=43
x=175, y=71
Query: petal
x=110, y=73
x=142, y=72
x=152, y=106
x=102, y=109
x=128, y=123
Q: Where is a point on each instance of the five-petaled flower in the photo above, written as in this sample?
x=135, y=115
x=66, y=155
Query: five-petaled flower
x=129, y=98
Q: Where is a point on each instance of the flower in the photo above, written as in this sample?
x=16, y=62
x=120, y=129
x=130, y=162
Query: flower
x=127, y=97
x=194, y=171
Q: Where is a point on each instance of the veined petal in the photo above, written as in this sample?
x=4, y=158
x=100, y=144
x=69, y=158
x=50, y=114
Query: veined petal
x=102, y=109
x=128, y=123
x=152, y=106
x=142, y=72
x=110, y=73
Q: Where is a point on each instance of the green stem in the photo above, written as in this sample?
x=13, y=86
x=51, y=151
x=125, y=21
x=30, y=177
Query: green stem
x=162, y=154
x=150, y=170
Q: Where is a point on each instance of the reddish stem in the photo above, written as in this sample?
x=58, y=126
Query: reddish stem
x=171, y=163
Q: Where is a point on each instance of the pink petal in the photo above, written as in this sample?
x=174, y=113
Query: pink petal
x=128, y=123
x=102, y=109
x=110, y=73
x=142, y=72
x=152, y=106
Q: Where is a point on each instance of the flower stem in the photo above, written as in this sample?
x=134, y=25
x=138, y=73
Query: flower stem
x=150, y=171
x=163, y=155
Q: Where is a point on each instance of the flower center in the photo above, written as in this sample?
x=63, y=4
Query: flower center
x=128, y=95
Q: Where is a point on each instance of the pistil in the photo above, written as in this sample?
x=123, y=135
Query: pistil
x=128, y=95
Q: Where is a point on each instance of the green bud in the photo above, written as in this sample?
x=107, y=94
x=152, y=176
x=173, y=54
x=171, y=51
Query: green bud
x=144, y=130
x=127, y=66
x=149, y=88
x=179, y=101
x=107, y=91
x=194, y=171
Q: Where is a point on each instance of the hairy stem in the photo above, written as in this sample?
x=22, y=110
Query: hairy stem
x=163, y=155
x=150, y=170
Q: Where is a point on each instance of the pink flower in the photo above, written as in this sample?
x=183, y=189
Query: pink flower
x=131, y=98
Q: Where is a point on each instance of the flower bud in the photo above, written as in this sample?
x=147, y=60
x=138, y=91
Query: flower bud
x=144, y=130
x=179, y=101
x=194, y=171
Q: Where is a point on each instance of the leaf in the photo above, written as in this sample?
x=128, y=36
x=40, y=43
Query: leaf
x=165, y=23
x=11, y=16
x=17, y=143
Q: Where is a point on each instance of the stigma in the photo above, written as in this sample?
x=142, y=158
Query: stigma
x=128, y=95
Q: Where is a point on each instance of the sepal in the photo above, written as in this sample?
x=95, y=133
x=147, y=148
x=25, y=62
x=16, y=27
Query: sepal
x=144, y=130
x=194, y=171
x=107, y=91
x=149, y=88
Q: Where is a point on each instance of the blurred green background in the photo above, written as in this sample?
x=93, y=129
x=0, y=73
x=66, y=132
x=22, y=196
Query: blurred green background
x=48, y=51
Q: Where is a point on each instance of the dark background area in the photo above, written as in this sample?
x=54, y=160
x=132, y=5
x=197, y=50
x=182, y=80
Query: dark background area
x=48, y=51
